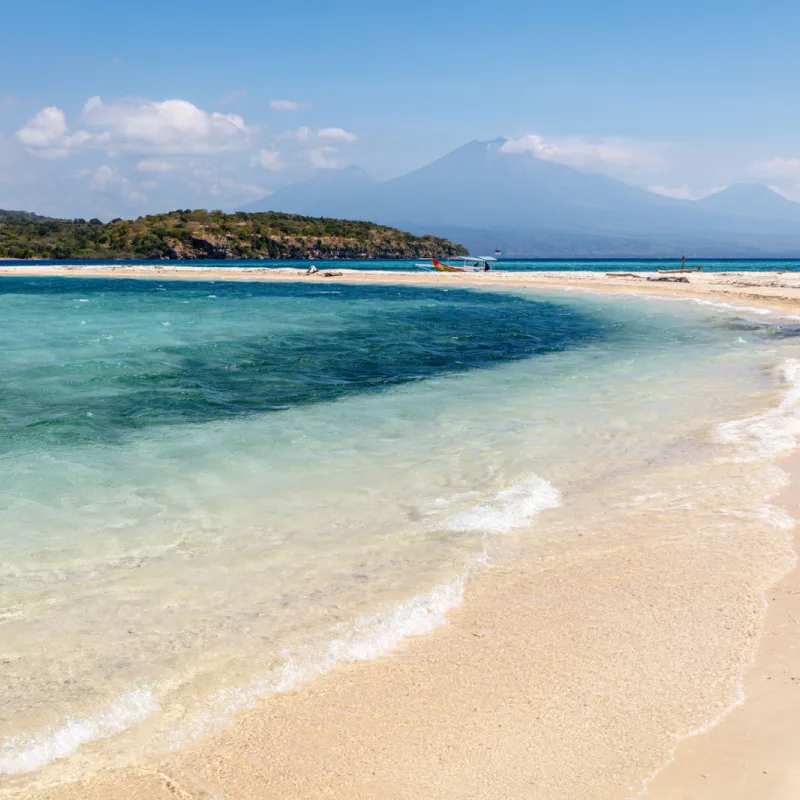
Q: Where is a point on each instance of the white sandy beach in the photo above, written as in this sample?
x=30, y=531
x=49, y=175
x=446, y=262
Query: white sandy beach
x=572, y=675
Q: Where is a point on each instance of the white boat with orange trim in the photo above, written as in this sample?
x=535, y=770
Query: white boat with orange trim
x=459, y=264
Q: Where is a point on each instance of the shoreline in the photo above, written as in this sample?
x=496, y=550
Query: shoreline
x=436, y=719
x=773, y=291
x=701, y=765
x=751, y=751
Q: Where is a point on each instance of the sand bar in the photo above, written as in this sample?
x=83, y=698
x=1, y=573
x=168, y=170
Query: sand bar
x=779, y=291
x=475, y=710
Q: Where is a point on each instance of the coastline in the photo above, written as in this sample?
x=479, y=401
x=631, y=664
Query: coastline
x=331, y=740
x=752, y=751
x=773, y=291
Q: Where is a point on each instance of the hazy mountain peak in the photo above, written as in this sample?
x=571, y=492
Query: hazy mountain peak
x=751, y=199
x=487, y=197
x=743, y=188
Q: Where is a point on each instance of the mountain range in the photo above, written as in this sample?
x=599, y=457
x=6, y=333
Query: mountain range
x=487, y=198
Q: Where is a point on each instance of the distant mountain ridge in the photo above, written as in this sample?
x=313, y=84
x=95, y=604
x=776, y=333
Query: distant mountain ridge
x=751, y=200
x=486, y=197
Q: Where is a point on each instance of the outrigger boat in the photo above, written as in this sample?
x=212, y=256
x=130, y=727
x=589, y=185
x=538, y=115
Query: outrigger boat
x=459, y=264
x=683, y=268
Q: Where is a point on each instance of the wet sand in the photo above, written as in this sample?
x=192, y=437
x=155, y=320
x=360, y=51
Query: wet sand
x=579, y=672
x=566, y=676
x=753, y=752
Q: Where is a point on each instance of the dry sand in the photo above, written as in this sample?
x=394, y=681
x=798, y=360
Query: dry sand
x=568, y=676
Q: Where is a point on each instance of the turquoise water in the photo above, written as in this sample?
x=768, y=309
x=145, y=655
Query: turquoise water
x=508, y=264
x=216, y=491
x=198, y=352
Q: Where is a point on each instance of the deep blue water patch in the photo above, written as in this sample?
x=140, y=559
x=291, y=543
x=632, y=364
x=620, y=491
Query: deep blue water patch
x=90, y=360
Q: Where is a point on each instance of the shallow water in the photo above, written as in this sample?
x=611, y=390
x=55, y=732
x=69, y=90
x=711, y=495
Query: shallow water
x=213, y=492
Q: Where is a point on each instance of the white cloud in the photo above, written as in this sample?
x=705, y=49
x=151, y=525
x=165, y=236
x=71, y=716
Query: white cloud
x=268, y=159
x=306, y=134
x=684, y=192
x=311, y=146
x=139, y=127
x=777, y=167
x=168, y=127
x=158, y=165
x=47, y=134
x=47, y=128
x=288, y=105
x=337, y=133
x=106, y=179
x=577, y=152
x=106, y=176
x=678, y=192
x=789, y=192
x=324, y=158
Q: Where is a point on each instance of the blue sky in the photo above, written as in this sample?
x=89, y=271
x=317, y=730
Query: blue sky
x=683, y=96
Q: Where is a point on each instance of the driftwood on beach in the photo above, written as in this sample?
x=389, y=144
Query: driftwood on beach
x=664, y=279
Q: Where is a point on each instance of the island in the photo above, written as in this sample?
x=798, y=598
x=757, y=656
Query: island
x=201, y=234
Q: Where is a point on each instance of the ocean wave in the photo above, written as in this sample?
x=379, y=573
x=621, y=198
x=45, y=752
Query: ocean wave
x=18, y=756
x=365, y=639
x=722, y=306
x=772, y=433
x=510, y=508
x=759, y=437
x=370, y=637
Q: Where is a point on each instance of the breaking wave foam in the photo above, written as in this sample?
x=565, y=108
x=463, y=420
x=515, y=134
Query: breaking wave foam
x=363, y=640
x=722, y=306
x=510, y=508
x=20, y=756
x=775, y=431
x=366, y=638
x=370, y=637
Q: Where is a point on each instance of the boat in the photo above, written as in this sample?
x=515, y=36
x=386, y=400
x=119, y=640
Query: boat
x=459, y=264
x=683, y=268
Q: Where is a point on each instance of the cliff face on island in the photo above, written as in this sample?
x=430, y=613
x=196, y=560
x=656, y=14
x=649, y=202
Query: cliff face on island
x=202, y=234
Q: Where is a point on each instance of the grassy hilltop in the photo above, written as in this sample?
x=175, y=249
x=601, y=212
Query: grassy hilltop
x=211, y=234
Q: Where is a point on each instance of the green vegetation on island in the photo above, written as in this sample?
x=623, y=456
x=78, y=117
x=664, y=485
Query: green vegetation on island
x=202, y=234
